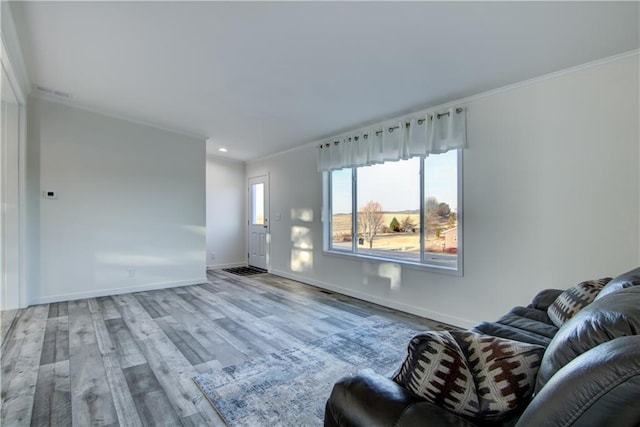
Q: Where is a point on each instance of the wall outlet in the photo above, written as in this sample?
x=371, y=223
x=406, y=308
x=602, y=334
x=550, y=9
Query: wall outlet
x=212, y=255
x=131, y=272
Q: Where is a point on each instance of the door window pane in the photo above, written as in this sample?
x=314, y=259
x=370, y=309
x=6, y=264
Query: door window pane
x=257, y=204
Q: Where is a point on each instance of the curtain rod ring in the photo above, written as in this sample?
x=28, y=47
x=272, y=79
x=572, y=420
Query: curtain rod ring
x=420, y=121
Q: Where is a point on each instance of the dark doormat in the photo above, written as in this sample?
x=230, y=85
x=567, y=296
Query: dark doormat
x=245, y=271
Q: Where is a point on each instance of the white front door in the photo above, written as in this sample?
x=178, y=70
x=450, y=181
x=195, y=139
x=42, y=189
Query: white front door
x=258, y=221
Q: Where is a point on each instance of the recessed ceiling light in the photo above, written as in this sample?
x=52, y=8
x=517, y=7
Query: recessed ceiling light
x=224, y=150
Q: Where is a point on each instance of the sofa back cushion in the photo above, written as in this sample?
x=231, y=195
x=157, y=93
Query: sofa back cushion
x=598, y=388
x=623, y=281
x=607, y=318
x=574, y=299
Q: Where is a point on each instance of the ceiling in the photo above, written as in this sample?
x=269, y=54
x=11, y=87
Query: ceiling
x=262, y=77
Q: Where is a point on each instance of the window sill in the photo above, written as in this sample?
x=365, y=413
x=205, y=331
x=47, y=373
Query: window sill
x=404, y=263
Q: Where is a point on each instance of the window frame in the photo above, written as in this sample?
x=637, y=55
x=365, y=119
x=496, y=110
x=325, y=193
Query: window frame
x=353, y=253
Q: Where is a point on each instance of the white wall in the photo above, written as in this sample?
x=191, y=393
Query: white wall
x=130, y=212
x=226, y=201
x=551, y=198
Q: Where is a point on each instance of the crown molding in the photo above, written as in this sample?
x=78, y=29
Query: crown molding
x=462, y=101
x=304, y=146
x=20, y=82
x=549, y=76
x=111, y=114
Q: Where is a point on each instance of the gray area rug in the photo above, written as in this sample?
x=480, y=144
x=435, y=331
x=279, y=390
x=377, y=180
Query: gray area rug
x=290, y=388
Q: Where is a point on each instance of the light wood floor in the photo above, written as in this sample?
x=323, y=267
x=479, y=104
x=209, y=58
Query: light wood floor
x=129, y=359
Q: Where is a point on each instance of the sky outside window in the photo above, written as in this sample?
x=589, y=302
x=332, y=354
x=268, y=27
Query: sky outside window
x=392, y=182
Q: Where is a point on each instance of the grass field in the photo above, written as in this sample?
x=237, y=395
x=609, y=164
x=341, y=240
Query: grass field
x=403, y=241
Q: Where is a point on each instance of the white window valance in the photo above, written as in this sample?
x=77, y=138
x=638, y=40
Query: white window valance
x=414, y=135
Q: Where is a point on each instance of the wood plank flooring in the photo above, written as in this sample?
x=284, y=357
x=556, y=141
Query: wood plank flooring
x=129, y=359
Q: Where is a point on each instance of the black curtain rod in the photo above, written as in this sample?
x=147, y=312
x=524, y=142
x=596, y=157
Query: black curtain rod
x=392, y=128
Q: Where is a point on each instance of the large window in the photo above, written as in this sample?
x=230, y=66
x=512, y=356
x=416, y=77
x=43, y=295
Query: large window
x=408, y=211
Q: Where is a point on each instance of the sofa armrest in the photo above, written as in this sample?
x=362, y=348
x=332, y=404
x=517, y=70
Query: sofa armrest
x=367, y=399
x=545, y=298
x=370, y=399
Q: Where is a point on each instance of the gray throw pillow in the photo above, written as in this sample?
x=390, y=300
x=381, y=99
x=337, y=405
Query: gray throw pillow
x=574, y=299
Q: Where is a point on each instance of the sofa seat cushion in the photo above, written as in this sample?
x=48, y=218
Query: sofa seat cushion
x=511, y=333
x=469, y=374
x=527, y=324
x=575, y=299
x=615, y=315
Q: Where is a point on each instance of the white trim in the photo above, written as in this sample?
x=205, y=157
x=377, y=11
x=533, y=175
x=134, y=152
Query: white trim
x=418, y=311
x=14, y=80
x=544, y=77
x=12, y=61
x=419, y=264
x=414, y=265
x=22, y=207
x=11, y=50
x=288, y=150
x=227, y=265
x=116, y=291
x=481, y=95
x=113, y=115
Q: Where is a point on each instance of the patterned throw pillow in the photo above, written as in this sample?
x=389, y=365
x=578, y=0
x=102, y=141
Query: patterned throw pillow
x=574, y=299
x=475, y=375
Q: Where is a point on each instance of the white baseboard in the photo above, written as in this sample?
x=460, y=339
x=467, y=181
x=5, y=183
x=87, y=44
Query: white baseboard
x=228, y=265
x=115, y=291
x=407, y=308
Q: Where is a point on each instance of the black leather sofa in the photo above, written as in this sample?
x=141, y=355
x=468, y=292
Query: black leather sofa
x=589, y=374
